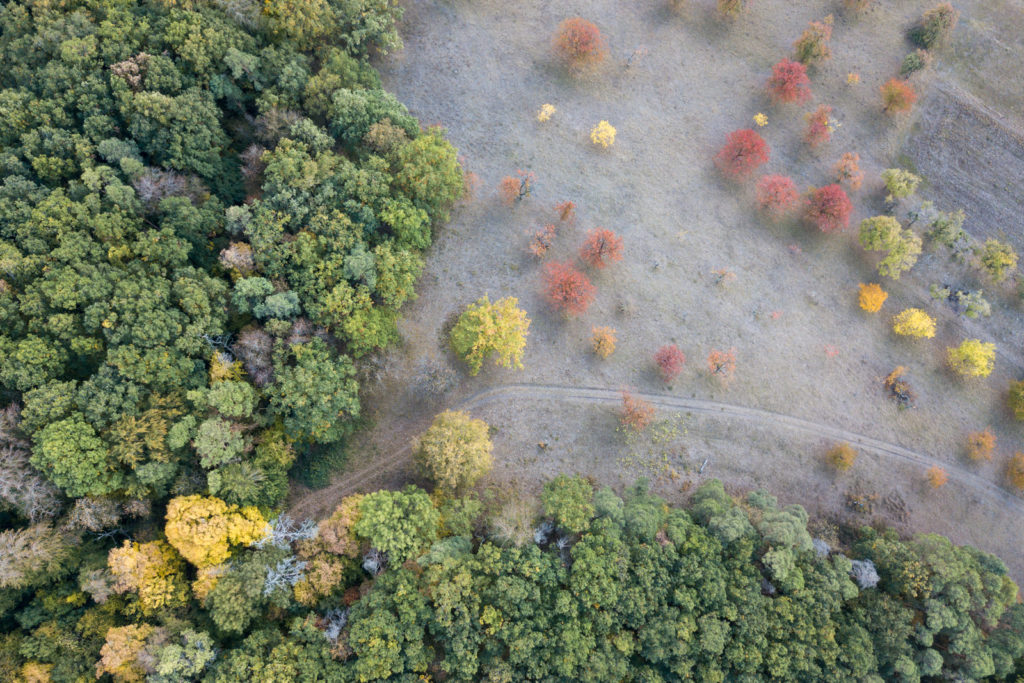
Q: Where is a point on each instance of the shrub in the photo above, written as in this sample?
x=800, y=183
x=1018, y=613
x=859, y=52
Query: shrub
x=541, y=241
x=847, y=171
x=841, y=456
x=871, y=297
x=947, y=228
x=980, y=445
x=819, y=126
x=637, y=414
x=973, y=358
x=670, y=361
x=722, y=364
x=1015, y=471
x=566, y=288
x=730, y=9
x=603, y=341
x=777, y=195
x=566, y=211
x=601, y=248
x=545, y=112
x=743, y=152
x=603, y=134
x=899, y=388
x=789, y=82
x=899, y=183
x=937, y=477
x=997, y=259
x=898, y=96
x=883, y=233
x=1016, y=399
x=812, y=45
x=491, y=329
x=935, y=26
x=579, y=44
x=455, y=451
x=828, y=208
x=915, y=61
x=913, y=322
x=516, y=188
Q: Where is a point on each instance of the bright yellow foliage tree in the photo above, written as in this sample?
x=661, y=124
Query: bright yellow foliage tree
x=203, y=529
x=937, y=477
x=603, y=134
x=546, y=112
x=486, y=329
x=913, y=322
x=455, y=451
x=871, y=297
x=603, y=341
x=973, y=358
x=153, y=570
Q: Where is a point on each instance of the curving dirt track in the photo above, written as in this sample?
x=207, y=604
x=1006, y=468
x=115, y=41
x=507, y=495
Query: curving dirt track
x=309, y=504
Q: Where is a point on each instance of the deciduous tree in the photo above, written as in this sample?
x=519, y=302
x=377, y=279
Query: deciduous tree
x=847, y=171
x=603, y=341
x=488, y=329
x=203, y=529
x=567, y=289
x=980, y=445
x=637, y=414
x=898, y=96
x=828, y=208
x=743, y=152
x=841, y=456
x=935, y=26
x=455, y=451
x=913, y=322
x=777, y=195
x=578, y=43
x=819, y=126
x=722, y=364
x=937, y=477
x=670, y=361
x=812, y=47
x=871, y=297
x=972, y=358
x=789, y=82
x=601, y=248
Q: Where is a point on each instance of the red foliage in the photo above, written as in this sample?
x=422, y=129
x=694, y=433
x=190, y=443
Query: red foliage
x=542, y=241
x=579, y=43
x=777, y=195
x=818, y=130
x=566, y=211
x=566, y=288
x=670, y=362
x=637, y=413
x=898, y=96
x=515, y=188
x=602, y=248
x=744, y=151
x=789, y=82
x=828, y=208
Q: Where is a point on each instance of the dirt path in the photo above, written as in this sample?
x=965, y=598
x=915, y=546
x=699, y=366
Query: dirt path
x=308, y=505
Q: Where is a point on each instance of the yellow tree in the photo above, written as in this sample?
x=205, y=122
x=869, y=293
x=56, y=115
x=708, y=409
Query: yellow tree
x=841, y=456
x=153, y=570
x=487, y=329
x=871, y=297
x=203, y=529
x=980, y=445
x=603, y=341
x=119, y=655
x=913, y=322
x=455, y=451
x=937, y=477
x=973, y=358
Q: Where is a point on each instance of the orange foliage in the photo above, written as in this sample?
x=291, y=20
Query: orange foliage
x=601, y=248
x=722, y=364
x=566, y=211
x=516, y=188
x=847, y=171
x=980, y=445
x=818, y=128
x=566, y=288
x=898, y=96
x=841, y=456
x=579, y=43
x=871, y=297
x=937, y=477
x=603, y=341
x=542, y=241
x=637, y=414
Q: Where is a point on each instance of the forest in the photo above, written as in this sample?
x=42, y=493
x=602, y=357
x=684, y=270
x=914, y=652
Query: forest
x=210, y=212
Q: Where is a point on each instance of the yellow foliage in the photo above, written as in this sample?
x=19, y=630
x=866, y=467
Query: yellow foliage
x=937, y=477
x=761, y=120
x=546, y=112
x=872, y=297
x=603, y=134
x=852, y=78
x=206, y=579
x=980, y=445
x=841, y=456
x=203, y=529
x=913, y=322
x=35, y=672
x=153, y=570
x=603, y=341
x=222, y=369
x=119, y=656
x=973, y=358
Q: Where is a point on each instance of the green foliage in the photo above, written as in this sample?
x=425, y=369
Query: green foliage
x=70, y=454
x=455, y=451
x=569, y=501
x=399, y=523
x=997, y=259
x=899, y=183
x=884, y=233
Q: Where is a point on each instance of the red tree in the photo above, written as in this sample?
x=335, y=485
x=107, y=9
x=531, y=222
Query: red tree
x=579, y=43
x=789, y=82
x=828, y=208
x=670, y=362
x=566, y=288
x=602, y=248
x=744, y=151
x=818, y=130
x=897, y=96
x=777, y=195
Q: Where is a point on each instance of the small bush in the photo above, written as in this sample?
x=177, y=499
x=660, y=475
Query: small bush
x=935, y=26
x=602, y=341
x=812, y=46
x=566, y=211
x=914, y=62
x=871, y=297
x=670, y=361
x=1016, y=399
x=601, y=248
x=899, y=183
x=947, y=228
x=722, y=364
x=898, y=96
x=777, y=195
x=567, y=289
x=516, y=188
x=743, y=152
x=841, y=457
x=899, y=388
x=937, y=477
x=997, y=259
x=545, y=112
x=819, y=126
x=828, y=208
x=579, y=44
x=913, y=322
x=847, y=171
x=637, y=414
x=1015, y=471
x=730, y=9
x=603, y=135
x=542, y=241
x=973, y=358
x=789, y=82
x=980, y=445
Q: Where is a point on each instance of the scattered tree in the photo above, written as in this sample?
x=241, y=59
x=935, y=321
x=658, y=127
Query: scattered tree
x=884, y=233
x=516, y=188
x=601, y=248
x=871, y=297
x=812, y=46
x=670, y=361
x=789, y=82
x=777, y=195
x=937, y=477
x=899, y=388
x=898, y=96
x=743, y=152
x=915, y=61
x=566, y=288
x=997, y=259
x=1015, y=471
x=542, y=241
x=972, y=358
x=1016, y=399
x=488, y=329
x=722, y=364
x=899, y=183
x=566, y=211
x=935, y=26
x=980, y=445
x=603, y=134
x=455, y=451
x=637, y=414
x=841, y=456
x=847, y=171
x=828, y=208
x=546, y=112
x=730, y=9
x=819, y=126
x=913, y=322
x=579, y=44
x=603, y=341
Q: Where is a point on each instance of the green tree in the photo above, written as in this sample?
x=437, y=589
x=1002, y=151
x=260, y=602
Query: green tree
x=455, y=451
x=399, y=523
x=74, y=458
x=569, y=501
